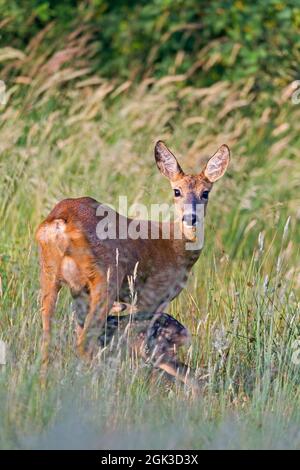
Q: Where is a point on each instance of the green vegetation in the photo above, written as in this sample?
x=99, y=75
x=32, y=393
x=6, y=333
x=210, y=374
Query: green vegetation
x=221, y=39
x=88, y=94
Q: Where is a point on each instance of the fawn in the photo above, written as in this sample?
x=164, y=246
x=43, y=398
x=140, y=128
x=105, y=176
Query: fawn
x=71, y=252
x=153, y=337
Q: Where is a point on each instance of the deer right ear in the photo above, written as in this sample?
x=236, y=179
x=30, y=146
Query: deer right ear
x=166, y=162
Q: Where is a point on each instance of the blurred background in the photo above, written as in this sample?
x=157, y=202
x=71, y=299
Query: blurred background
x=87, y=88
x=208, y=41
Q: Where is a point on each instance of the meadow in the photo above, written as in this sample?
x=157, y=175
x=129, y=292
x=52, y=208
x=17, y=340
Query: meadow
x=66, y=131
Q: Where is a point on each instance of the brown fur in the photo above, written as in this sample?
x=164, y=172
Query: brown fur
x=97, y=271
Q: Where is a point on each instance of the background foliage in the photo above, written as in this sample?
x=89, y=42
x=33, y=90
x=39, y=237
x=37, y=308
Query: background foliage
x=239, y=38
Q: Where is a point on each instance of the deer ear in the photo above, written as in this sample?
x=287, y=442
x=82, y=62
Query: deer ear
x=217, y=164
x=166, y=162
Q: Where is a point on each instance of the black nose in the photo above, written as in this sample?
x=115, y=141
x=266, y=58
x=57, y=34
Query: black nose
x=190, y=219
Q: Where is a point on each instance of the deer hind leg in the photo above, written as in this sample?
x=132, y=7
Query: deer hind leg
x=52, y=242
x=90, y=291
x=102, y=294
x=81, y=307
x=50, y=289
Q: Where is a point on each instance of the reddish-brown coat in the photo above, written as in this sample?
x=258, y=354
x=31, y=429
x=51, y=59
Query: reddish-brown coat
x=97, y=270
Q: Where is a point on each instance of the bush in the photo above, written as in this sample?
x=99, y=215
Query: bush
x=217, y=39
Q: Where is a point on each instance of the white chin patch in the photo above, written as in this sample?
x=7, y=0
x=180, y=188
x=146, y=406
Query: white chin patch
x=190, y=232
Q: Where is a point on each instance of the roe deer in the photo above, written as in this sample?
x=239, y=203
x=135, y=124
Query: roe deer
x=71, y=252
x=153, y=337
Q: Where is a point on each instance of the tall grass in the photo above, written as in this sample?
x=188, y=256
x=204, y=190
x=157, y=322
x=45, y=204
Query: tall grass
x=67, y=132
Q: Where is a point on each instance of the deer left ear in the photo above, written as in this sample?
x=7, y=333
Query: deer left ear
x=217, y=164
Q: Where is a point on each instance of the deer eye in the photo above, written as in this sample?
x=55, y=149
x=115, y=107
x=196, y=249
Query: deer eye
x=205, y=194
x=177, y=192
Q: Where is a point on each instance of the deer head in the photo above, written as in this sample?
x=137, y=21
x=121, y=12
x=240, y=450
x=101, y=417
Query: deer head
x=191, y=192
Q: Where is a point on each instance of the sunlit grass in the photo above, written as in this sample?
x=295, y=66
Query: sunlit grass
x=77, y=136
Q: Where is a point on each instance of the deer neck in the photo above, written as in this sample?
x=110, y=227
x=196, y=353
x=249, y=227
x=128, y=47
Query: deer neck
x=187, y=249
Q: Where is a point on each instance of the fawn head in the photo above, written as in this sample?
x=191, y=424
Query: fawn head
x=191, y=192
